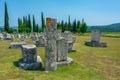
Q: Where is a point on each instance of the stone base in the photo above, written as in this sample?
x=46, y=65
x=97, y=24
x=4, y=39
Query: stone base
x=17, y=44
x=8, y=39
x=69, y=61
x=31, y=66
x=1, y=38
x=70, y=47
x=72, y=50
x=96, y=44
x=34, y=38
x=39, y=44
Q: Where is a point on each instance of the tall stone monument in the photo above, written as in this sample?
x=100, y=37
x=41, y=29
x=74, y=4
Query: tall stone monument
x=95, y=40
x=50, y=47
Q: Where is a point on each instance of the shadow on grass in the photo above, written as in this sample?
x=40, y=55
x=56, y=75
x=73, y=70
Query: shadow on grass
x=17, y=65
x=43, y=70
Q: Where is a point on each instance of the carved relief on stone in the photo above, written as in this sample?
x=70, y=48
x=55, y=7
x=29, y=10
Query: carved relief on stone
x=50, y=47
x=51, y=23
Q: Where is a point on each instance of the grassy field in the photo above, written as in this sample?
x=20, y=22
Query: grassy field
x=90, y=63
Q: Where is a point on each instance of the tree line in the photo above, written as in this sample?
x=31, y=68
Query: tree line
x=75, y=26
x=25, y=24
x=28, y=24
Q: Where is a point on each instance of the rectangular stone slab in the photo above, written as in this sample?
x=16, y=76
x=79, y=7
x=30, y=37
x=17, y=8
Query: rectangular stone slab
x=62, y=49
x=96, y=36
x=17, y=44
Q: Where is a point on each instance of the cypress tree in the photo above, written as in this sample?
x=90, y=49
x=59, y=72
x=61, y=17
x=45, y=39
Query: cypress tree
x=74, y=26
x=18, y=24
x=37, y=28
x=24, y=26
x=58, y=26
x=69, y=24
x=83, y=20
x=62, y=24
x=26, y=22
x=78, y=26
x=65, y=26
x=34, y=24
x=29, y=23
x=83, y=28
x=42, y=21
x=6, y=20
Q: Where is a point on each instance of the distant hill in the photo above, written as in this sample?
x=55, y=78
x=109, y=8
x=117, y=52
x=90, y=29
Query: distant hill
x=106, y=28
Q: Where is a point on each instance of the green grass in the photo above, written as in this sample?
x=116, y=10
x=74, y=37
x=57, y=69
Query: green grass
x=90, y=63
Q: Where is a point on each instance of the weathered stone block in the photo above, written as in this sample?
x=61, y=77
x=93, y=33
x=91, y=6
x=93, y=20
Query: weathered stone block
x=30, y=60
x=67, y=35
x=18, y=35
x=31, y=66
x=40, y=42
x=34, y=38
x=95, y=44
x=22, y=38
x=67, y=62
x=1, y=37
x=17, y=44
x=70, y=46
x=62, y=49
x=95, y=40
x=29, y=53
x=9, y=37
x=95, y=36
x=50, y=47
x=73, y=39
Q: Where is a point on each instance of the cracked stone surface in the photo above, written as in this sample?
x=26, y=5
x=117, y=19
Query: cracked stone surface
x=30, y=60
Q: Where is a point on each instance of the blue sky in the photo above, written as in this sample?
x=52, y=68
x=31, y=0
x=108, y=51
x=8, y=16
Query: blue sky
x=94, y=12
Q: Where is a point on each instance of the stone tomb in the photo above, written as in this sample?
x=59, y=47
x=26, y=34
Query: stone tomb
x=22, y=38
x=1, y=37
x=56, y=47
x=40, y=42
x=4, y=35
x=67, y=35
x=50, y=47
x=34, y=37
x=95, y=40
x=95, y=36
x=9, y=37
x=18, y=35
x=70, y=47
x=17, y=44
x=71, y=40
x=62, y=51
x=30, y=60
